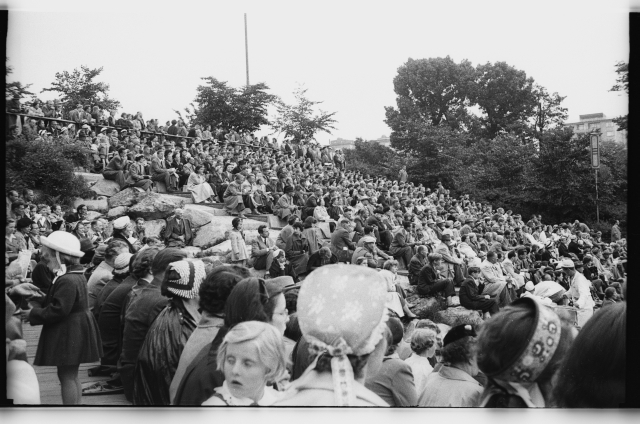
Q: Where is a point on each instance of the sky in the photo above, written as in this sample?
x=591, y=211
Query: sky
x=346, y=53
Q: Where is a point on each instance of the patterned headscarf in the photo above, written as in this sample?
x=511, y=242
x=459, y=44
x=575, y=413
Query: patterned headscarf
x=342, y=311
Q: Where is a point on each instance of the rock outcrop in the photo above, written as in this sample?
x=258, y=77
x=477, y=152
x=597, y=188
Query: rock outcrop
x=153, y=206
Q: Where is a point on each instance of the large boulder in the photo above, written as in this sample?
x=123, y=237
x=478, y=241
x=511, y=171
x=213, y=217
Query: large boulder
x=217, y=230
x=99, y=205
x=126, y=197
x=154, y=228
x=105, y=188
x=117, y=212
x=198, y=218
x=192, y=251
x=457, y=316
x=92, y=215
x=154, y=206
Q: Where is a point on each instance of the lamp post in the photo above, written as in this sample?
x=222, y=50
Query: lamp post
x=595, y=164
x=246, y=46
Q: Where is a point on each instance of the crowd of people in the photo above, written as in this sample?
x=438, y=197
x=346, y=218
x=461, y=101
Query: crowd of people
x=330, y=323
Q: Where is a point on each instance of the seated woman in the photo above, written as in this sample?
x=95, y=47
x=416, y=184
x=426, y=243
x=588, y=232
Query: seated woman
x=320, y=212
x=285, y=206
x=506, y=344
x=395, y=299
x=116, y=169
x=199, y=187
x=470, y=296
x=233, y=197
x=281, y=266
x=252, y=358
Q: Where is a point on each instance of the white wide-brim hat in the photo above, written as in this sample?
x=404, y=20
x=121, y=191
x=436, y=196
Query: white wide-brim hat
x=63, y=242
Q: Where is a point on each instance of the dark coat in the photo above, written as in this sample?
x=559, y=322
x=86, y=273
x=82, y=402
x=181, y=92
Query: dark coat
x=201, y=377
x=171, y=225
x=70, y=334
x=471, y=298
x=160, y=354
x=427, y=278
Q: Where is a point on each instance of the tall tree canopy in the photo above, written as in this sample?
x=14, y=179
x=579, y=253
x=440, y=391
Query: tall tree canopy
x=622, y=84
x=505, y=98
x=301, y=121
x=79, y=87
x=241, y=109
x=15, y=89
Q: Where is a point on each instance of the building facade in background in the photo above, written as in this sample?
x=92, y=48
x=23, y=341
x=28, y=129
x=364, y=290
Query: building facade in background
x=592, y=121
x=341, y=143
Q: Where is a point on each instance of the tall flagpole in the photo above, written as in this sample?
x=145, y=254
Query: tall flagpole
x=246, y=46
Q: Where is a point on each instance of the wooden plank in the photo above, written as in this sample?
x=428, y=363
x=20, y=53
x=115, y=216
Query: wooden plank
x=48, y=376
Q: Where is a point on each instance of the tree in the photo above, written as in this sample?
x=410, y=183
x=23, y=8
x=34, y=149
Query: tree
x=506, y=98
x=548, y=111
x=241, y=109
x=14, y=91
x=370, y=157
x=434, y=89
x=79, y=87
x=300, y=121
x=622, y=84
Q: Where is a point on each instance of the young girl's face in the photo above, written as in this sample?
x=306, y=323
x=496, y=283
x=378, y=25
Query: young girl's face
x=244, y=372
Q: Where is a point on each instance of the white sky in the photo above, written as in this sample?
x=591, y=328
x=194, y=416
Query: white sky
x=345, y=52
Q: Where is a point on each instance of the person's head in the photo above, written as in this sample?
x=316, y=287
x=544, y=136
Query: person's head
x=360, y=339
x=523, y=330
x=600, y=347
x=140, y=267
x=236, y=223
x=217, y=286
x=178, y=213
x=492, y=257
x=24, y=225
x=298, y=228
x=251, y=300
x=13, y=196
x=459, y=349
x=435, y=259
x=391, y=265
x=424, y=342
x=60, y=249
x=292, y=219
x=251, y=356
x=28, y=195
x=263, y=230
x=395, y=335
x=114, y=248
x=163, y=259
x=82, y=210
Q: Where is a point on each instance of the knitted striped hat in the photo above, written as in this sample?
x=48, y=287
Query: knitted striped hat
x=184, y=278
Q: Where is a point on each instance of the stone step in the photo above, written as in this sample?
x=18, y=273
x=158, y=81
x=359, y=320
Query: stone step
x=275, y=222
x=207, y=208
x=173, y=197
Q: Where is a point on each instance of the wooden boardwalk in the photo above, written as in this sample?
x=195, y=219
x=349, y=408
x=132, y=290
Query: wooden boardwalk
x=48, y=377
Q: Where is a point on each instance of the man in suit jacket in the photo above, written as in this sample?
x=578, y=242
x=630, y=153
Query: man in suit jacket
x=262, y=249
x=450, y=259
x=137, y=177
x=179, y=231
x=159, y=172
x=340, y=239
x=311, y=203
x=77, y=115
x=496, y=285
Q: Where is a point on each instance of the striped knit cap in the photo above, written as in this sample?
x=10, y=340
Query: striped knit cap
x=184, y=278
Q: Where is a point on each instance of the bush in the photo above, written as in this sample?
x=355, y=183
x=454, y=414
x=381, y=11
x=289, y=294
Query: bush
x=48, y=167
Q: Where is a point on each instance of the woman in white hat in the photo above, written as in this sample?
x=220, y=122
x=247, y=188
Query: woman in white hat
x=70, y=335
x=579, y=291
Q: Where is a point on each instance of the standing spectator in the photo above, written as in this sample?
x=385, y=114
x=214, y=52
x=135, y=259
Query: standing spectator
x=579, y=291
x=615, y=231
x=402, y=177
x=70, y=335
x=239, y=254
